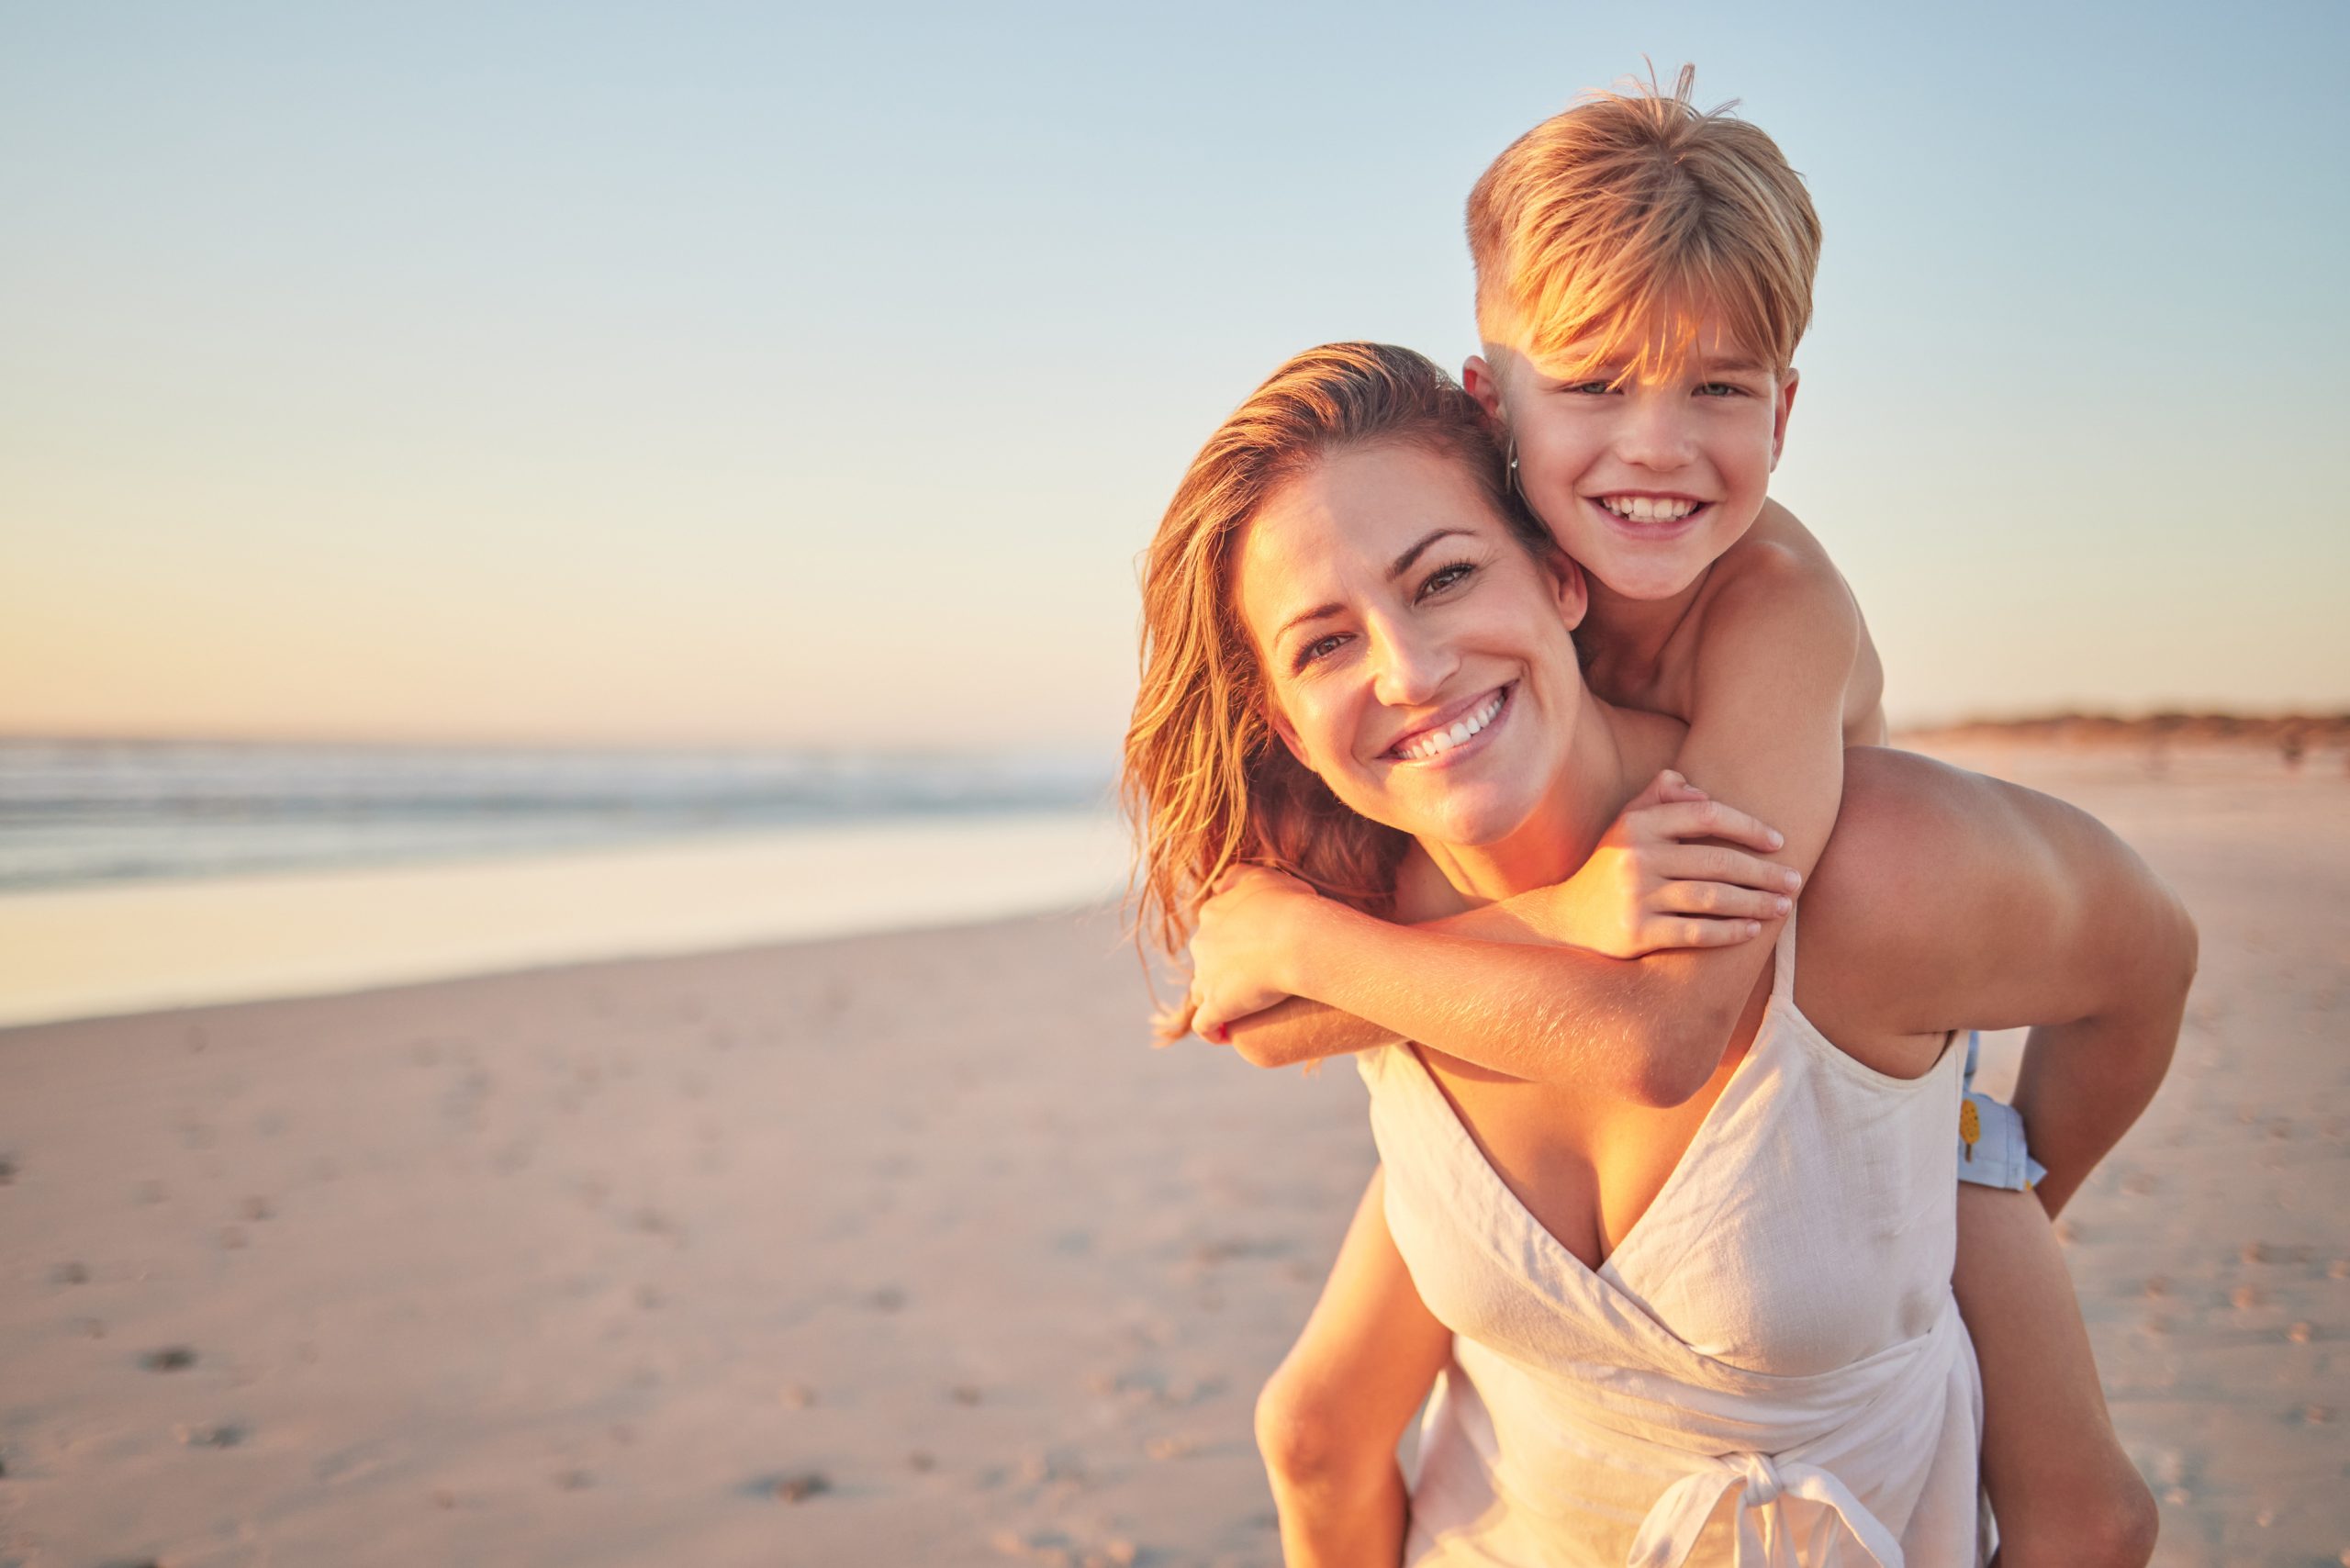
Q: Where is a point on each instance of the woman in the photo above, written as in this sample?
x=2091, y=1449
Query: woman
x=1650, y=1300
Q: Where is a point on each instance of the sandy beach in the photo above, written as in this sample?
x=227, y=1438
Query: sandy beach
x=905, y=1249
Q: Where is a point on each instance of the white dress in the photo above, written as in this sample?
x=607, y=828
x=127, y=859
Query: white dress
x=1768, y=1369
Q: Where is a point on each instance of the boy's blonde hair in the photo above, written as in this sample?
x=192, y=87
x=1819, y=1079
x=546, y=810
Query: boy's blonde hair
x=1634, y=213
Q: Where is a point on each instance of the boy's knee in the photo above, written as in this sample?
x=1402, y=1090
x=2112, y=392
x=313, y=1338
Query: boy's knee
x=2123, y=1526
x=2112, y=1528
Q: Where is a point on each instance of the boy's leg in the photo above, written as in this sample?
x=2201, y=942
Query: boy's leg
x=2061, y=1488
x=1328, y=1421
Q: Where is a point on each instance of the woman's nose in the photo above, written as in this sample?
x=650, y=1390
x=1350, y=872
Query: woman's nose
x=1409, y=667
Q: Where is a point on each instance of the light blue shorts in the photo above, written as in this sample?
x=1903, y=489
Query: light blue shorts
x=1991, y=1151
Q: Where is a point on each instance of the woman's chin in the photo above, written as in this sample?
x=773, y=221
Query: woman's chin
x=1472, y=822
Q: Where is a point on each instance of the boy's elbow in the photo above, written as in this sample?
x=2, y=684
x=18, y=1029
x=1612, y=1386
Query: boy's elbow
x=1260, y=1047
x=2189, y=947
x=2173, y=947
x=1676, y=1058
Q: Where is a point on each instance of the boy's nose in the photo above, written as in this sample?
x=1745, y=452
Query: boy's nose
x=1655, y=434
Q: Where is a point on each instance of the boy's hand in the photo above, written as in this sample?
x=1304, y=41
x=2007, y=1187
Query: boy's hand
x=1236, y=945
x=1651, y=885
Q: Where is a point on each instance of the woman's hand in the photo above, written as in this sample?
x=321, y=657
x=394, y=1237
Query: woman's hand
x=1237, y=950
x=1648, y=886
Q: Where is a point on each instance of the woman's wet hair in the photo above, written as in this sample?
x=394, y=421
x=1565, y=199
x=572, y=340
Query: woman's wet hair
x=1207, y=783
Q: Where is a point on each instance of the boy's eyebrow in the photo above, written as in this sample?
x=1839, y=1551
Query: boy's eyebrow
x=1403, y=564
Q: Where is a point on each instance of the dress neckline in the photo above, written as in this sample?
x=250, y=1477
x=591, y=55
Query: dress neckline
x=1741, y=1077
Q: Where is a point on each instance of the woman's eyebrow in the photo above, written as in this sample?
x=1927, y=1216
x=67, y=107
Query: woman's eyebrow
x=1319, y=612
x=1403, y=561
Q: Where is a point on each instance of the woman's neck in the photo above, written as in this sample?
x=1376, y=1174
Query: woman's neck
x=1614, y=753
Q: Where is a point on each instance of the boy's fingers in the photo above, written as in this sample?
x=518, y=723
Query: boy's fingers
x=1711, y=819
x=1713, y=863
x=1721, y=898
x=1708, y=933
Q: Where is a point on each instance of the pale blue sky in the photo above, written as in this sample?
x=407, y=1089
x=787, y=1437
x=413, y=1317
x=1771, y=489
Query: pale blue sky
x=711, y=373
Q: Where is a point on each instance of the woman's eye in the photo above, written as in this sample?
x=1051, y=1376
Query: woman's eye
x=1317, y=649
x=1446, y=577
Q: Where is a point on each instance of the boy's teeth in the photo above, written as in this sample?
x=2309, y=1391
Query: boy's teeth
x=1642, y=508
x=1419, y=748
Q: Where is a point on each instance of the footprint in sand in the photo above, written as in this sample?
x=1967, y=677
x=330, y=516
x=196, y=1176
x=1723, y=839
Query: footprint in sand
x=791, y=1486
x=221, y=1435
x=70, y=1275
x=171, y=1358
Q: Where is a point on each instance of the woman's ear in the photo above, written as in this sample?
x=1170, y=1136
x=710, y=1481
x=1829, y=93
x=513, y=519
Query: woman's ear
x=1282, y=727
x=1574, y=593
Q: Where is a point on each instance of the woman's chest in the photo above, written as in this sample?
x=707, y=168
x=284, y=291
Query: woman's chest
x=1587, y=1171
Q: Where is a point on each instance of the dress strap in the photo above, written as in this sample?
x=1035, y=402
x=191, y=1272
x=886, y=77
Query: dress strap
x=1782, y=982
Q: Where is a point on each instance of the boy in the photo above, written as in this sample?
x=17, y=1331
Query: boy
x=1644, y=275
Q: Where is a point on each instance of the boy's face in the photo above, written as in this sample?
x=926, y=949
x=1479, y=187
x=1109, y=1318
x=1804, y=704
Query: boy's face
x=1644, y=479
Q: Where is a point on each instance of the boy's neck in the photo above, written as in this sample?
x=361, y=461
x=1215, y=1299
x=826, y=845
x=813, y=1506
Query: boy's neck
x=1615, y=752
x=1626, y=638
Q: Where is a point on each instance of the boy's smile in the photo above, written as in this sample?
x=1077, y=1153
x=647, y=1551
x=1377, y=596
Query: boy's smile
x=1645, y=468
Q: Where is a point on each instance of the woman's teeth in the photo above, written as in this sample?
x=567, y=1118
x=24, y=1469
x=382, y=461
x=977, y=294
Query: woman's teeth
x=1420, y=747
x=1642, y=508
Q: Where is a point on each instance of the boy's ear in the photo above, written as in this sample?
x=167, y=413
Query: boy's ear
x=1787, y=404
x=1574, y=593
x=1477, y=378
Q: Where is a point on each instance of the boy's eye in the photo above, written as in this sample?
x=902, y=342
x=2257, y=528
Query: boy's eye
x=1720, y=389
x=1589, y=388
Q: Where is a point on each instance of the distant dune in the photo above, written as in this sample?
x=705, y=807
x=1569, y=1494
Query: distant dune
x=2292, y=736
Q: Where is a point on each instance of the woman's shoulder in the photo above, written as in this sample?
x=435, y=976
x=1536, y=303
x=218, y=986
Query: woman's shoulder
x=1878, y=910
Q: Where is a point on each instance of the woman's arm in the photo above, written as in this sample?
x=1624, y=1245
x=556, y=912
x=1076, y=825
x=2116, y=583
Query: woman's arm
x=1949, y=901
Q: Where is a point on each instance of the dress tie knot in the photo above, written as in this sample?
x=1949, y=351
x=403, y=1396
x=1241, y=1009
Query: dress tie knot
x=1761, y=1479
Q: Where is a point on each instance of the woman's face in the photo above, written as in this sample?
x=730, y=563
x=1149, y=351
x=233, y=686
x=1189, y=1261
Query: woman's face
x=1418, y=658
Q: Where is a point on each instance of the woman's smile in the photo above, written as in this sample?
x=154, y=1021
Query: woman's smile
x=1463, y=731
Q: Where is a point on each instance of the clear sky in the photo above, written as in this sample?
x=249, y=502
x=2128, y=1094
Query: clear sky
x=726, y=373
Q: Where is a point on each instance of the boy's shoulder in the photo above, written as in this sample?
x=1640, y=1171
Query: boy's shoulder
x=1779, y=575
x=1776, y=595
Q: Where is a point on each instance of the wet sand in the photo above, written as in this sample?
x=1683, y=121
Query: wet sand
x=906, y=1249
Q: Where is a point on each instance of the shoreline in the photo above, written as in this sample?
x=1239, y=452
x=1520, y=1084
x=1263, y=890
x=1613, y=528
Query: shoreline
x=116, y=950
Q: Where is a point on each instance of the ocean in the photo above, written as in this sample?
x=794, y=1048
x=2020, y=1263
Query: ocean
x=74, y=812
x=143, y=875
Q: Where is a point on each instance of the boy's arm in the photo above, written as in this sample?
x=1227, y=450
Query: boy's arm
x=1949, y=901
x=1766, y=732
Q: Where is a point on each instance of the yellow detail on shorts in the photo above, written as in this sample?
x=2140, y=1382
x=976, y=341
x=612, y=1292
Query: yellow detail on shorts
x=1970, y=1126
